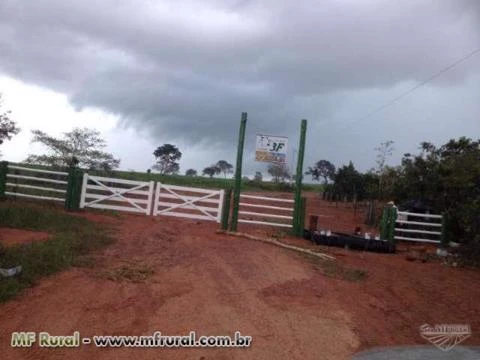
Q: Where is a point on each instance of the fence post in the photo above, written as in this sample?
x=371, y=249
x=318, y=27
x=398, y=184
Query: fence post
x=74, y=188
x=387, y=224
x=301, y=223
x=444, y=237
x=226, y=208
x=238, y=172
x=3, y=178
x=392, y=223
x=297, y=209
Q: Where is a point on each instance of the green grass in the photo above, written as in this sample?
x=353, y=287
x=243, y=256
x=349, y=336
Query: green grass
x=71, y=238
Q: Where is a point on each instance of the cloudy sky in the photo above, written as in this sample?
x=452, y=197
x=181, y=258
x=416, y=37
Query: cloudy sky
x=181, y=71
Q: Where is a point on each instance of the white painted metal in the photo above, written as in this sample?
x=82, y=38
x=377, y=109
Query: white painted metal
x=117, y=194
x=267, y=198
x=420, y=215
x=415, y=239
x=33, y=196
x=266, y=206
x=266, y=215
x=188, y=202
x=264, y=223
x=418, y=223
x=37, y=179
x=37, y=187
x=418, y=231
x=38, y=170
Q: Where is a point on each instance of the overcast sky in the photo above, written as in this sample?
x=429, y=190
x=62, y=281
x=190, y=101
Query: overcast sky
x=146, y=73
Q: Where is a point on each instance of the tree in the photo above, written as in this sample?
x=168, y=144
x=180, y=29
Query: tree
x=79, y=147
x=384, y=151
x=210, y=171
x=167, y=157
x=279, y=172
x=324, y=169
x=349, y=182
x=8, y=127
x=191, y=172
x=258, y=177
x=224, y=167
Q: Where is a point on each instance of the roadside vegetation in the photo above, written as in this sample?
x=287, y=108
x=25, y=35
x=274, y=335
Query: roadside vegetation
x=71, y=238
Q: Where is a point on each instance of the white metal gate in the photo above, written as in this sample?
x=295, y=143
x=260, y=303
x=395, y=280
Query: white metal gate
x=188, y=202
x=117, y=194
x=283, y=215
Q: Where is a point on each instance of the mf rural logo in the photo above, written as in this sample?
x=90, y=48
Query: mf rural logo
x=445, y=336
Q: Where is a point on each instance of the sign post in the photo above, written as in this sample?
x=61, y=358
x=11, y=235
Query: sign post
x=238, y=172
x=297, y=210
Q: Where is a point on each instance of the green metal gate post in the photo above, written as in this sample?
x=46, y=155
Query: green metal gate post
x=3, y=178
x=297, y=209
x=238, y=172
x=226, y=208
x=445, y=236
x=74, y=189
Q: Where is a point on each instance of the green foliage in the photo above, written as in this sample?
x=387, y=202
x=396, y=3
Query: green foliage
x=167, y=157
x=279, y=172
x=72, y=236
x=191, y=172
x=211, y=171
x=81, y=147
x=224, y=167
x=8, y=127
x=322, y=169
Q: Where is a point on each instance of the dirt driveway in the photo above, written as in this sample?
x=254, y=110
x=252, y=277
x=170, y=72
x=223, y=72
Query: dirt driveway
x=216, y=284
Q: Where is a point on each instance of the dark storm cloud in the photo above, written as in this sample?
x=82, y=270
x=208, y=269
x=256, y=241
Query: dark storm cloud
x=185, y=70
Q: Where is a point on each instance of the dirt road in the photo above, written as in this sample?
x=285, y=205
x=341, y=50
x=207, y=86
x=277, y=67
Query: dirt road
x=216, y=284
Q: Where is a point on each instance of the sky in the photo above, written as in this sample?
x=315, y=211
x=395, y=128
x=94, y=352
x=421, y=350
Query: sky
x=145, y=73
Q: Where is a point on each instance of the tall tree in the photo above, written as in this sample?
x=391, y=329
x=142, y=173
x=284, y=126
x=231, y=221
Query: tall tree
x=80, y=147
x=191, y=172
x=8, y=127
x=279, y=172
x=210, y=170
x=167, y=157
x=384, y=151
x=322, y=169
x=258, y=177
x=224, y=167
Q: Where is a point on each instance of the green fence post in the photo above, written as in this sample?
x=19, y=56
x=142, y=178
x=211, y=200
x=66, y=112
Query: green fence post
x=3, y=178
x=74, y=188
x=226, y=208
x=303, y=209
x=238, y=172
x=297, y=230
x=392, y=220
x=444, y=239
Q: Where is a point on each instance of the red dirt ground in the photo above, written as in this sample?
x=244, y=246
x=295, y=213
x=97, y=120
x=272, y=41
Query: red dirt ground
x=10, y=237
x=217, y=284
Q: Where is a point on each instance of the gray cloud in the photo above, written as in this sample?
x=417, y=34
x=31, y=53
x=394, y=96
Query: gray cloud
x=185, y=70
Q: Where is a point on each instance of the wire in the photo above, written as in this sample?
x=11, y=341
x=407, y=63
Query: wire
x=419, y=85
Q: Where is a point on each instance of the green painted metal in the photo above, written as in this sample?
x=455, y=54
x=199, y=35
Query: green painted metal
x=445, y=236
x=303, y=210
x=238, y=172
x=392, y=222
x=297, y=226
x=226, y=208
x=74, y=188
x=3, y=178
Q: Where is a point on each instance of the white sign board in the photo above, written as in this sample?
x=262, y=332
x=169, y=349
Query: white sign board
x=271, y=148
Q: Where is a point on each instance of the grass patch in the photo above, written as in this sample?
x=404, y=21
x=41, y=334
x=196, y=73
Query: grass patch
x=72, y=237
x=133, y=271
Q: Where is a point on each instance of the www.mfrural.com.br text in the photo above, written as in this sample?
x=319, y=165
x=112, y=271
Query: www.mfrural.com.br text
x=156, y=340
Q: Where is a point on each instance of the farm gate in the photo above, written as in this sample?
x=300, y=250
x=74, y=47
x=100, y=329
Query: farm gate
x=280, y=216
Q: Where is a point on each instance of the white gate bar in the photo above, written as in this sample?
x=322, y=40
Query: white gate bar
x=182, y=206
x=418, y=231
x=117, y=189
x=415, y=239
x=191, y=189
x=114, y=198
x=151, y=190
x=37, y=187
x=171, y=196
x=266, y=206
x=84, y=190
x=37, y=179
x=114, y=207
x=190, y=216
x=418, y=223
x=37, y=170
x=266, y=198
x=118, y=181
x=264, y=223
x=220, y=206
x=420, y=215
x=266, y=215
x=33, y=196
